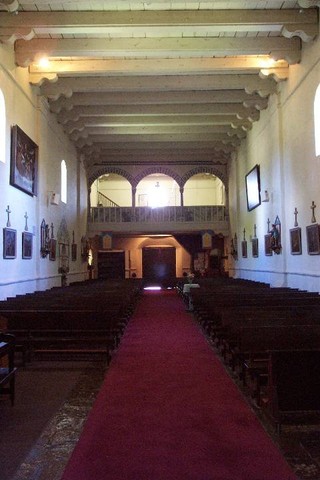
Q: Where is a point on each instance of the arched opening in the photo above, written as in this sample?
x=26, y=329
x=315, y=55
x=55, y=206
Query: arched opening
x=111, y=190
x=157, y=190
x=204, y=189
x=63, y=181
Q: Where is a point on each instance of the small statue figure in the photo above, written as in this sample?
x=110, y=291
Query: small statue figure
x=275, y=239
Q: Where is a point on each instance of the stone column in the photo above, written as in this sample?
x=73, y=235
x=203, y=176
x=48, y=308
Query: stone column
x=88, y=202
x=133, y=193
x=181, y=196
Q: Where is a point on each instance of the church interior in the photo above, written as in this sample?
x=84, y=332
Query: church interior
x=161, y=144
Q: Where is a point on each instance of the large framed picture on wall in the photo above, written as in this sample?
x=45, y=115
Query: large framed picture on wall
x=313, y=239
x=24, y=162
x=295, y=241
x=27, y=240
x=9, y=243
x=253, y=191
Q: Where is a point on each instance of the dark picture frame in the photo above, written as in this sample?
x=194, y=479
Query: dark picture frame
x=253, y=189
x=244, y=248
x=255, y=247
x=267, y=245
x=295, y=241
x=9, y=243
x=24, y=162
x=52, y=249
x=73, y=252
x=27, y=244
x=313, y=239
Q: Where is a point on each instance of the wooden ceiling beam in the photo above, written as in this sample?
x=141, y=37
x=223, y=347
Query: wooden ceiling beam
x=250, y=83
x=141, y=99
x=160, y=66
x=151, y=120
x=158, y=111
x=158, y=130
x=160, y=23
x=27, y=52
x=166, y=137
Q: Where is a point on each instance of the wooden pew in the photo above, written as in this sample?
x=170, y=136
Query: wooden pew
x=7, y=365
x=250, y=353
x=75, y=321
x=293, y=389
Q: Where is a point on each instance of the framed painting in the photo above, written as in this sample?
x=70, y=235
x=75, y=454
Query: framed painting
x=255, y=248
x=295, y=241
x=52, y=249
x=9, y=243
x=74, y=252
x=244, y=248
x=313, y=239
x=267, y=245
x=24, y=162
x=27, y=240
x=253, y=191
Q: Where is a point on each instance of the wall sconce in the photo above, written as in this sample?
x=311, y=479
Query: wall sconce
x=266, y=196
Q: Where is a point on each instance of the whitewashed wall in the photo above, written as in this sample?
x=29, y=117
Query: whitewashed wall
x=30, y=112
x=282, y=143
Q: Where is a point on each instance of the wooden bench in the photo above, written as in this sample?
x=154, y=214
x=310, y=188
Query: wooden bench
x=75, y=331
x=293, y=390
x=251, y=350
x=7, y=367
x=90, y=318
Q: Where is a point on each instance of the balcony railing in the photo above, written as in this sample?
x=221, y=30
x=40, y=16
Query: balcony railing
x=158, y=215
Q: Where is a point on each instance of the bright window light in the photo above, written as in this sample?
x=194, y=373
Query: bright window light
x=2, y=129
x=317, y=120
x=157, y=196
x=63, y=182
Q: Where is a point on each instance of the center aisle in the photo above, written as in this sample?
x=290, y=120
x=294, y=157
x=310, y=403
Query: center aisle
x=169, y=411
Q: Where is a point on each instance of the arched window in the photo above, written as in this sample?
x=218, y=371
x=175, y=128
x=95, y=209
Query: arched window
x=2, y=129
x=63, y=182
x=317, y=120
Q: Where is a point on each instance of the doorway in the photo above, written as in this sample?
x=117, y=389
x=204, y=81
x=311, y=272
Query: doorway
x=111, y=265
x=159, y=265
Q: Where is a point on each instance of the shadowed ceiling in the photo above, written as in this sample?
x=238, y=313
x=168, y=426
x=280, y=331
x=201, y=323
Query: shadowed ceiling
x=135, y=82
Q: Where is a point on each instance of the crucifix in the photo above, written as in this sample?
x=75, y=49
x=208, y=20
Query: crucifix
x=268, y=222
x=244, y=234
x=313, y=206
x=8, y=213
x=295, y=217
x=26, y=225
x=254, y=230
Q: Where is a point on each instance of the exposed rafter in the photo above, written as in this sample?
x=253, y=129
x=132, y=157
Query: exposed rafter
x=163, y=23
x=288, y=49
x=250, y=83
x=185, y=66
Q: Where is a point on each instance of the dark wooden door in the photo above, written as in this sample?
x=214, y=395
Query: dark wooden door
x=111, y=265
x=159, y=264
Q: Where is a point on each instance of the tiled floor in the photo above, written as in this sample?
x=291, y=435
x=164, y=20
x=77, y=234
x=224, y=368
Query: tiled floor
x=48, y=456
x=53, y=444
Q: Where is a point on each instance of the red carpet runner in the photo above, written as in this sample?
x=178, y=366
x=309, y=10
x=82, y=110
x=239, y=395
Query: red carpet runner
x=168, y=410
